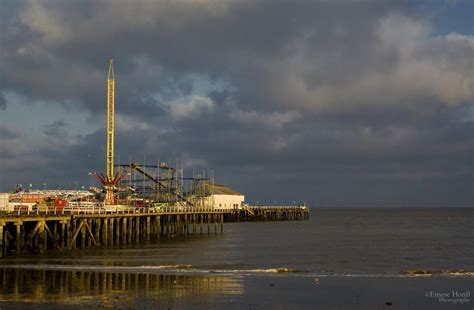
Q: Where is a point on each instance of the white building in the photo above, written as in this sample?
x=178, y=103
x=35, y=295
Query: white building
x=219, y=196
x=4, y=198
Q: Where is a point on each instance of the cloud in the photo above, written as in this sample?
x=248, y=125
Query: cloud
x=326, y=99
x=189, y=107
x=3, y=101
x=398, y=62
x=55, y=129
x=270, y=119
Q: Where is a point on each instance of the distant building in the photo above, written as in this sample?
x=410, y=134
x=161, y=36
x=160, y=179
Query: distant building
x=219, y=196
x=4, y=198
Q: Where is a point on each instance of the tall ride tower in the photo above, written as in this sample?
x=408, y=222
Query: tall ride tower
x=110, y=122
x=109, y=174
x=110, y=180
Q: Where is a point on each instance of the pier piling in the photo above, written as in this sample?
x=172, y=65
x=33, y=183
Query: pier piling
x=26, y=233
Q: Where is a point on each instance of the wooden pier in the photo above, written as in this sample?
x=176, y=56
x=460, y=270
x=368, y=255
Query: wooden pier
x=37, y=233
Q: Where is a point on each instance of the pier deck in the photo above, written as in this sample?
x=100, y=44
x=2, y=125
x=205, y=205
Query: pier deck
x=38, y=232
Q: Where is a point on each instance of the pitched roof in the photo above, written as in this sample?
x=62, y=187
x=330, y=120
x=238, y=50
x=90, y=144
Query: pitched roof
x=217, y=189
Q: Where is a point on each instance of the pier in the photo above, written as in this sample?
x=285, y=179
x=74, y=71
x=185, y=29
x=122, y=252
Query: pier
x=136, y=202
x=24, y=233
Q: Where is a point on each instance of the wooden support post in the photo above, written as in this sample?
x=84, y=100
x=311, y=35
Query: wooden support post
x=51, y=235
x=105, y=229
x=148, y=227
x=89, y=232
x=153, y=227
x=63, y=234
x=186, y=225
x=208, y=224
x=69, y=233
x=201, y=220
x=222, y=222
x=130, y=230
x=43, y=245
x=55, y=231
x=194, y=224
x=18, y=237
x=163, y=225
x=169, y=228
x=89, y=240
x=83, y=234
x=111, y=231
x=183, y=222
x=158, y=227
x=30, y=237
x=72, y=240
x=124, y=230
x=172, y=226
x=117, y=231
x=8, y=238
x=1, y=239
x=137, y=229
x=97, y=230
x=175, y=226
x=178, y=225
x=74, y=226
x=214, y=217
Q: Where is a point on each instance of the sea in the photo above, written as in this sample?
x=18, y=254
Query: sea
x=341, y=258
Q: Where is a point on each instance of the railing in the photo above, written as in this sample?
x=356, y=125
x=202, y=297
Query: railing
x=100, y=208
x=278, y=207
x=145, y=210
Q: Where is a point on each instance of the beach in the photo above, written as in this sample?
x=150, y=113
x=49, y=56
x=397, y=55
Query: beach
x=171, y=291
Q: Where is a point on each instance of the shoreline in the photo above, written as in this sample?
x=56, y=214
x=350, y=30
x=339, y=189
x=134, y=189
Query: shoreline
x=188, y=269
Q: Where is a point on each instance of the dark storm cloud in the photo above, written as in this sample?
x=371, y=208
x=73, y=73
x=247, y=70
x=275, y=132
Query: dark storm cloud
x=322, y=100
x=3, y=101
x=55, y=129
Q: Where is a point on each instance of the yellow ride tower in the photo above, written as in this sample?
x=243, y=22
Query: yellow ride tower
x=110, y=180
x=109, y=175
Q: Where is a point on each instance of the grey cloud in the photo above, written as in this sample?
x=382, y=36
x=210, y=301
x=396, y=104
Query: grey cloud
x=3, y=101
x=8, y=133
x=323, y=100
x=55, y=129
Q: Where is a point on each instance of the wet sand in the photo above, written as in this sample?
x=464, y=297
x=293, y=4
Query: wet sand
x=38, y=289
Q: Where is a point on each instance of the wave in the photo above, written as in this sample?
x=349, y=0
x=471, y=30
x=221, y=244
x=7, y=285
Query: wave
x=183, y=268
x=259, y=270
x=427, y=273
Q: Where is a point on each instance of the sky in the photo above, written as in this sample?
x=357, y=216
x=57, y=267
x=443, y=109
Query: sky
x=331, y=103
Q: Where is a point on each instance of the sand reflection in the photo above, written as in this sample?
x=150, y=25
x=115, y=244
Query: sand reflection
x=107, y=288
